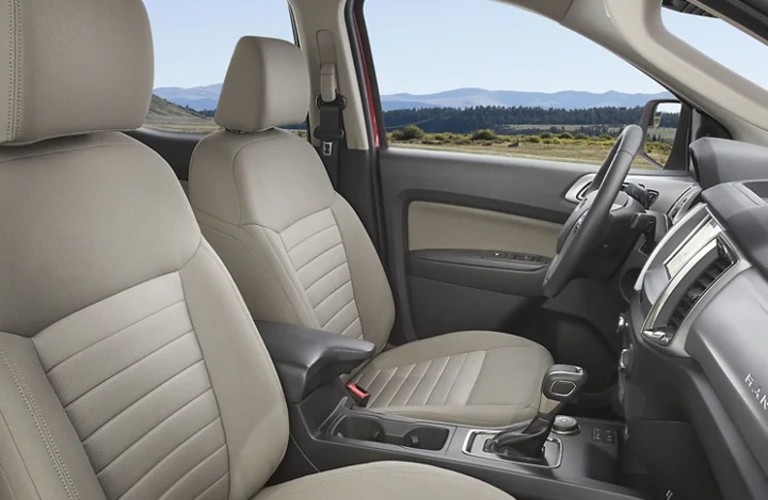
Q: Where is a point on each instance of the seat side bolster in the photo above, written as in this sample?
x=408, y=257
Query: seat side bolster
x=255, y=265
x=373, y=294
x=244, y=381
x=40, y=453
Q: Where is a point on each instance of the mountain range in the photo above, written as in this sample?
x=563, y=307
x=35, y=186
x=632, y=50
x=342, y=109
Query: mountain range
x=206, y=98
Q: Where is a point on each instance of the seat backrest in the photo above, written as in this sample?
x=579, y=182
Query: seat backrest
x=295, y=247
x=129, y=365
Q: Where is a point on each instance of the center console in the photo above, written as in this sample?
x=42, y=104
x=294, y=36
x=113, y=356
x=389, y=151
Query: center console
x=580, y=459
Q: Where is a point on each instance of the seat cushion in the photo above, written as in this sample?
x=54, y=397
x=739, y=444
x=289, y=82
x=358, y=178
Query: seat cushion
x=473, y=377
x=384, y=481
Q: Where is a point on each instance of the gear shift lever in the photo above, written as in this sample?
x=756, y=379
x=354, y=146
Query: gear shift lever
x=561, y=385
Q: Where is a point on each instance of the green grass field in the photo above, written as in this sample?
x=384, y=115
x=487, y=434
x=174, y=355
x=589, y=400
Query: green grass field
x=547, y=146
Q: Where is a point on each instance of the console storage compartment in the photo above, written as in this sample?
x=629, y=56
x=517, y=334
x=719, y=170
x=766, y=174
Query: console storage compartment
x=373, y=428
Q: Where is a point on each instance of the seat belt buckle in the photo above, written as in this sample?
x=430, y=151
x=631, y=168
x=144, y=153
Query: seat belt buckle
x=358, y=394
x=327, y=148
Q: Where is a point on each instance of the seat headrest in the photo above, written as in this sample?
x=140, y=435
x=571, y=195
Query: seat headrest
x=73, y=67
x=267, y=85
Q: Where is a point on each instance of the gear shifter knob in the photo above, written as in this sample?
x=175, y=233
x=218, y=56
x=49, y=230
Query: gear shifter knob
x=563, y=383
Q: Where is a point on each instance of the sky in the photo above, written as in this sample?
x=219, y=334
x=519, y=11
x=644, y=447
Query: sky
x=426, y=46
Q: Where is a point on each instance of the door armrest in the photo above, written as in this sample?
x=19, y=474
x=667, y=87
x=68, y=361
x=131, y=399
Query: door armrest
x=306, y=359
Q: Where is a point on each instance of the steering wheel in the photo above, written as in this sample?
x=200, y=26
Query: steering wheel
x=585, y=227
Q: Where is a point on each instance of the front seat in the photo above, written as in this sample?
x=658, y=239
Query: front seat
x=129, y=365
x=300, y=255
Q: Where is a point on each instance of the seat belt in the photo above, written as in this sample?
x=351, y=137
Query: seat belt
x=330, y=130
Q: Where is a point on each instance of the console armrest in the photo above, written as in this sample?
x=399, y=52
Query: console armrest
x=306, y=358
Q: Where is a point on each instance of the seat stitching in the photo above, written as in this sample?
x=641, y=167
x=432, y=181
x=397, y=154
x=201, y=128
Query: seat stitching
x=305, y=240
x=479, y=372
x=150, y=315
x=373, y=380
x=18, y=451
x=305, y=217
x=334, y=247
x=397, y=391
x=190, y=471
x=197, y=362
x=175, y=412
x=455, y=379
x=292, y=284
x=383, y=388
x=336, y=198
x=336, y=314
x=155, y=351
x=421, y=379
x=437, y=380
x=142, y=398
x=74, y=149
x=330, y=295
x=318, y=280
x=12, y=88
x=164, y=458
x=19, y=64
x=38, y=419
x=357, y=318
x=209, y=488
x=4, y=480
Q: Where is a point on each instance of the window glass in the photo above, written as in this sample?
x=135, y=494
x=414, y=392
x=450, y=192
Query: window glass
x=194, y=40
x=485, y=77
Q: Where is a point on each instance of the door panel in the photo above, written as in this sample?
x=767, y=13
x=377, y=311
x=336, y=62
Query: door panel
x=444, y=211
x=445, y=215
x=440, y=226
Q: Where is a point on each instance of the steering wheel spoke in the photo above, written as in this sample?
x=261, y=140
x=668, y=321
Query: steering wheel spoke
x=584, y=228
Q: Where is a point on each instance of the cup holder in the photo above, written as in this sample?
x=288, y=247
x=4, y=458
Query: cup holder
x=422, y=437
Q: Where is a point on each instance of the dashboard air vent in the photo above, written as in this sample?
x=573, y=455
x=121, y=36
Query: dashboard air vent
x=701, y=284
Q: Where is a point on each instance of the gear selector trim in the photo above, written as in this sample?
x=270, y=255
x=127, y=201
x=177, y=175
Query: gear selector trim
x=476, y=439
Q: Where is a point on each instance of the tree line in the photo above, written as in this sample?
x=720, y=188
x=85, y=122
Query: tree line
x=500, y=118
x=590, y=121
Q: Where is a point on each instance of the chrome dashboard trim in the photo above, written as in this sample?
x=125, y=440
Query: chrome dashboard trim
x=682, y=223
x=675, y=344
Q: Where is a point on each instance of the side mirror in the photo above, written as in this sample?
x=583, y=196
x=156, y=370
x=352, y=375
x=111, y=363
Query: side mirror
x=659, y=121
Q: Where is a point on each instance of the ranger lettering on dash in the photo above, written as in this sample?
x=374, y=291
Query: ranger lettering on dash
x=757, y=390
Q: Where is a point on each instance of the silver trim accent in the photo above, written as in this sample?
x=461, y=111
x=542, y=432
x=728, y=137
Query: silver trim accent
x=662, y=244
x=574, y=193
x=574, y=431
x=675, y=344
x=650, y=324
x=477, y=432
x=552, y=390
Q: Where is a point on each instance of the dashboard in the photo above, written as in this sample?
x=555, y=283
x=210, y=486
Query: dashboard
x=694, y=371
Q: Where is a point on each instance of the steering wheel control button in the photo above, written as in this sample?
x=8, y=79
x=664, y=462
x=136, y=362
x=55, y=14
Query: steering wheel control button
x=562, y=388
x=565, y=425
x=603, y=435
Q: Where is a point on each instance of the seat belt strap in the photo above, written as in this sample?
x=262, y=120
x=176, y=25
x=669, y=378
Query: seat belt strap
x=330, y=130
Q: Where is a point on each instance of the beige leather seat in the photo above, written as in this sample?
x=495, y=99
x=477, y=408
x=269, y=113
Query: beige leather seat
x=129, y=365
x=300, y=255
